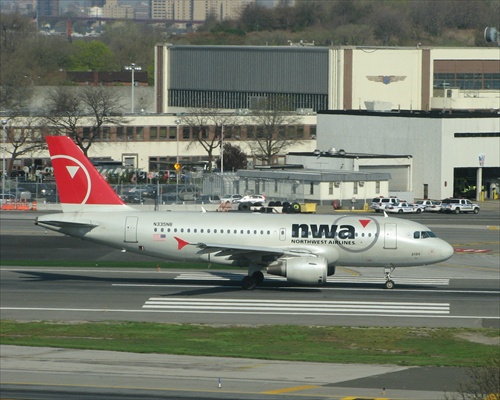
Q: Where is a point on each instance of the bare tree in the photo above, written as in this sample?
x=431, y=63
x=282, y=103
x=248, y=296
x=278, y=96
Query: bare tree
x=81, y=113
x=483, y=382
x=23, y=137
x=274, y=127
x=207, y=125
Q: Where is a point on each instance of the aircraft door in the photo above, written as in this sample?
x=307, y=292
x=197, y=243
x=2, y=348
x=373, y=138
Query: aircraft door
x=131, y=229
x=282, y=234
x=390, y=236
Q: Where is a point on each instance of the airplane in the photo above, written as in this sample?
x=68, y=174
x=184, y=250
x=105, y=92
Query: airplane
x=304, y=248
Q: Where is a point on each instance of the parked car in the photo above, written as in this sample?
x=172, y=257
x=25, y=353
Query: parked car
x=189, y=192
x=380, y=203
x=459, y=206
x=5, y=197
x=21, y=193
x=133, y=198
x=403, y=207
x=429, y=205
x=169, y=198
x=253, y=198
x=233, y=198
x=208, y=198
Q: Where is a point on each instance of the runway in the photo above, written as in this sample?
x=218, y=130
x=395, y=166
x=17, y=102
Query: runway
x=216, y=297
x=462, y=292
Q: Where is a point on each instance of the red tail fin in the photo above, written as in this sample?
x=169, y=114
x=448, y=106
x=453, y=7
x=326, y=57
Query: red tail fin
x=79, y=184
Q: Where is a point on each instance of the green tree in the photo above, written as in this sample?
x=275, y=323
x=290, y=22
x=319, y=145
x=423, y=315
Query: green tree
x=91, y=56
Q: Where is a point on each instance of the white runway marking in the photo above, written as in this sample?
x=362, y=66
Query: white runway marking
x=228, y=276
x=177, y=304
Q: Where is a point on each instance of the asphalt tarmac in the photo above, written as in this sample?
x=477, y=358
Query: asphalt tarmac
x=33, y=373
x=46, y=373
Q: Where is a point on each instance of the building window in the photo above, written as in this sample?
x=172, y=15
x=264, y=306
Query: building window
x=330, y=187
x=355, y=190
x=120, y=134
x=312, y=132
x=172, y=133
x=250, y=132
x=377, y=187
x=130, y=133
x=106, y=133
x=311, y=188
x=153, y=133
x=139, y=133
x=300, y=132
x=163, y=133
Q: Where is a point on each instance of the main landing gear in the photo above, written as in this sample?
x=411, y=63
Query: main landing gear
x=250, y=282
x=389, y=283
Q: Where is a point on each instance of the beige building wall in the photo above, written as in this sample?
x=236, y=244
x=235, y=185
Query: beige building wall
x=112, y=9
x=386, y=76
x=403, y=78
x=197, y=10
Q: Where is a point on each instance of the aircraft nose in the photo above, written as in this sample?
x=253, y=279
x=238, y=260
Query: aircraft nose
x=447, y=251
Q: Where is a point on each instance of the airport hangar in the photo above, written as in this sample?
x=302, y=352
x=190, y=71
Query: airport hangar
x=452, y=97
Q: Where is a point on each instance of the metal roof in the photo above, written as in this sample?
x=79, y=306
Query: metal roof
x=312, y=175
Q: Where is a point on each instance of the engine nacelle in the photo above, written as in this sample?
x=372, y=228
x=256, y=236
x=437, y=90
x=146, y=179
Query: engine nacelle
x=304, y=270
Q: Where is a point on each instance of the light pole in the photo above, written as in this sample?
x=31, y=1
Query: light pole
x=4, y=142
x=177, y=169
x=222, y=150
x=132, y=67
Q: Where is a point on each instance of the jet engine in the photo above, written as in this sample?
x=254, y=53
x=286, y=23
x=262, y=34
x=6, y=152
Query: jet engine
x=304, y=270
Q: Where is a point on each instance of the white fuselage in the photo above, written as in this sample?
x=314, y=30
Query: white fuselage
x=241, y=238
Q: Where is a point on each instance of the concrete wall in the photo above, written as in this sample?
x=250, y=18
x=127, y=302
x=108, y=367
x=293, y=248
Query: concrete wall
x=430, y=141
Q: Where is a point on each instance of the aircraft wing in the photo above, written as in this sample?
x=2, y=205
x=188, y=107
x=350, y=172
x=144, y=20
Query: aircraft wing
x=242, y=251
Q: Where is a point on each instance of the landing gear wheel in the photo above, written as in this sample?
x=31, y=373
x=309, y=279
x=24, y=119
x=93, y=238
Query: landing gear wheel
x=389, y=283
x=258, y=277
x=248, y=283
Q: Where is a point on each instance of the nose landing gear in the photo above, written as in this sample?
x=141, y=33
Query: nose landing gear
x=389, y=283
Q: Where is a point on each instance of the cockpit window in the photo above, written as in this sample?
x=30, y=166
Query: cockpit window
x=423, y=234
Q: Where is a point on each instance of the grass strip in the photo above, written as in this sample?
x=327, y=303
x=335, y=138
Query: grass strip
x=400, y=346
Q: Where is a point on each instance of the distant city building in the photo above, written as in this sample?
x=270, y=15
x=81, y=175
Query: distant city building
x=113, y=9
x=48, y=8
x=190, y=10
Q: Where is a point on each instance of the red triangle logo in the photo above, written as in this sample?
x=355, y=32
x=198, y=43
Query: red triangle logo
x=364, y=222
x=180, y=243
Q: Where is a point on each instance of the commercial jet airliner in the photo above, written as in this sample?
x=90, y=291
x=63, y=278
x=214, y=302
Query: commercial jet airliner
x=304, y=248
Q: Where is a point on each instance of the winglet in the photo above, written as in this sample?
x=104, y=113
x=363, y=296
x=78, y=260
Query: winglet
x=81, y=187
